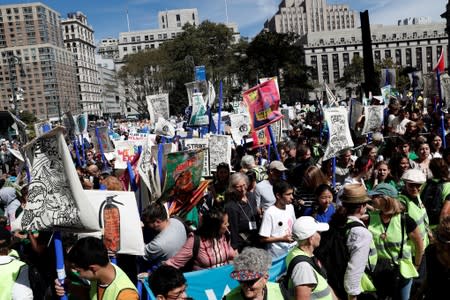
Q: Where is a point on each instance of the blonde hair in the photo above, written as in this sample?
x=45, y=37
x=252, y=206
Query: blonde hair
x=390, y=206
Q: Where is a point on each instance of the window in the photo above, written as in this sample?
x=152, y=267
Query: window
x=178, y=18
x=125, y=49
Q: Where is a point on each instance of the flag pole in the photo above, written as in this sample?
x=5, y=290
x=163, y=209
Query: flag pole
x=444, y=142
x=219, y=118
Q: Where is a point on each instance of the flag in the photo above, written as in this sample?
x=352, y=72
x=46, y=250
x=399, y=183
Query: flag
x=440, y=65
x=330, y=96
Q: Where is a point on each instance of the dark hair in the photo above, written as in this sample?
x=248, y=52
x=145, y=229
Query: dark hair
x=439, y=168
x=251, y=174
x=155, y=211
x=223, y=165
x=361, y=163
x=394, y=165
x=302, y=150
x=322, y=188
x=281, y=187
x=164, y=279
x=211, y=222
x=88, y=251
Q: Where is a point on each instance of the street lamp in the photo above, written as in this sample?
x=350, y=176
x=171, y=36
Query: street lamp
x=13, y=61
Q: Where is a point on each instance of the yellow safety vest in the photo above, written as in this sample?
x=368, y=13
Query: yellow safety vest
x=8, y=276
x=322, y=290
x=273, y=292
x=120, y=283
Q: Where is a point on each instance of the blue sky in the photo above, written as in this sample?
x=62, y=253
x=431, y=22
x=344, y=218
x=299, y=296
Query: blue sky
x=108, y=17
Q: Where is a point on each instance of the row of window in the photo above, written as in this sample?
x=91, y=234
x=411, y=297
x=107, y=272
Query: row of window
x=151, y=37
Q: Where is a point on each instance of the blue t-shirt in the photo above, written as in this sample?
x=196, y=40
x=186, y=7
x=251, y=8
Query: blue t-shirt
x=323, y=217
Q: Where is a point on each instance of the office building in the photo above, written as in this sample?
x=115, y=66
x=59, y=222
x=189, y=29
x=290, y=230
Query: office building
x=34, y=61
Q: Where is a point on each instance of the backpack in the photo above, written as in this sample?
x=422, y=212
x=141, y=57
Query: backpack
x=284, y=280
x=189, y=265
x=334, y=256
x=431, y=197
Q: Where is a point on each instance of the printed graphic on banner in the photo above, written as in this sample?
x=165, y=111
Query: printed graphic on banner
x=82, y=122
x=147, y=169
x=262, y=102
x=240, y=127
x=124, y=152
x=158, y=106
x=183, y=175
x=373, y=118
x=195, y=144
x=42, y=127
x=286, y=117
x=164, y=127
x=104, y=138
x=206, y=88
x=339, y=132
x=118, y=216
x=198, y=115
x=21, y=128
x=55, y=197
x=219, y=150
x=261, y=138
x=356, y=110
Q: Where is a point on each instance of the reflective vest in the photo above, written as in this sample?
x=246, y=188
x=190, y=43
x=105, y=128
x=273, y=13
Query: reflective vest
x=419, y=214
x=322, y=290
x=273, y=292
x=120, y=283
x=389, y=241
x=366, y=283
x=8, y=276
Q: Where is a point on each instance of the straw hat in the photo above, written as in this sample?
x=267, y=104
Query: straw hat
x=354, y=194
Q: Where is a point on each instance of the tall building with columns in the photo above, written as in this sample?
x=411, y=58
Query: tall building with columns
x=79, y=39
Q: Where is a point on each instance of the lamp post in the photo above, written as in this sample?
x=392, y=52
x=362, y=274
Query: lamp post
x=13, y=61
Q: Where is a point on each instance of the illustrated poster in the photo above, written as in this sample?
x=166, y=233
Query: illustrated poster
x=219, y=150
x=195, y=144
x=373, y=118
x=339, y=131
x=158, y=105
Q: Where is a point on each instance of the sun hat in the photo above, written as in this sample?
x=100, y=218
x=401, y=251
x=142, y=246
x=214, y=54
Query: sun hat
x=354, y=194
x=384, y=189
x=277, y=165
x=306, y=226
x=414, y=176
x=251, y=264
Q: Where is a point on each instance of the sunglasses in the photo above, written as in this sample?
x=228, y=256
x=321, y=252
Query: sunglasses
x=250, y=282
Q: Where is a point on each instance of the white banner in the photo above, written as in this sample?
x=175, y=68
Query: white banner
x=158, y=106
x=198, y=115
x=339, y=132
x=164, y=127
x=219, y=150
x=196, y=143
x=373, y=118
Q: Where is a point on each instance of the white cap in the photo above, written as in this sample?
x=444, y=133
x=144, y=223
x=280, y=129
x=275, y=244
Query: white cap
x=304, y=227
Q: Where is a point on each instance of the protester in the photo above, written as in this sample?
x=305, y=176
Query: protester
x=277, y=222
x=264, y=189
x=89, y=257
x=167, y=282
x=213, y=245
x=9, y=200
x=251, y=270
x=381, y=174
x=324, y=208
x=306, y=282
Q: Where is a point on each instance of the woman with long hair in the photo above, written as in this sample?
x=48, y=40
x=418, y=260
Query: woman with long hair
x=423, y=161
x=304, y=195
x=214, y=248
x=435, y=142
x=324, y=208
x=381, y=173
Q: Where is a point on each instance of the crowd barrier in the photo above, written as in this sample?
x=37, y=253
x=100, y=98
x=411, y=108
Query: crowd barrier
x=213, y=284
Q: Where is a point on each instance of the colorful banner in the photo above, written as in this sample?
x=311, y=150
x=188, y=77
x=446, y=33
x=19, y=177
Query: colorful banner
x=56, y=200
x=158, y=106
x=219, y=150
x=339, y=131
x=261, y=138
x=195, y=144
x=373, y=118
x=118, y=217
x=42, y=127
x=82, y=122
x=183, y=175
x=124, y=152
x=262, y=102
x=206, y=88
x=198, y=114
x=103, y=135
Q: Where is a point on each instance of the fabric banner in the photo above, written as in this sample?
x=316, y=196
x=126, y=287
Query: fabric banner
x=56, y=200
x=356, y=110
x=206, y=88
x=386, y=93
x=240, y=127
x=197, y=143
x=261, y=138
x=21, y=128
x=42, y=127
x=82, y=123
x=104, y=138
x=164, y=127
x=158, y=105
x=219, y=150
x=416, y=80
x=373, y=118
x=148, y=171
x=124, y=152
x=262, y=102
x=339, y=131
x=286, y=117
x=198, y=114
x=183, y=174
x=118, y=217
x=330, y=96
x=388, y=77
x=16, y=154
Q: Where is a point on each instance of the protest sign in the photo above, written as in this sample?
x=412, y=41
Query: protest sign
x=124, y=152
x=21, y=128
x=373, y=118
x=16, y=154
x=197, y=143
x=388, y=77
x=198, y=114
x=205, y=88
x=82, y=123
x=261, y=138
x=240, y=127
x=158, y=106
x=164, y=127
x=70, y=124
x=356, y=110
x=147, y=169
x=262, y=103
x=42, y=127
x=104, y=138
x=219, y=150
x=55, y=197
x=339, y=132
x=119, y=220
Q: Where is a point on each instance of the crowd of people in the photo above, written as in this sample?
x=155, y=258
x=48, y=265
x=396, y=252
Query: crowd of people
x=388, y=198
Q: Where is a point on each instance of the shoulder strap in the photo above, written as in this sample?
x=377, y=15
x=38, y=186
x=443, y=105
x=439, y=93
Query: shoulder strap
x=196, y=246
x=298, y=259
x=402, y=226
x=353, y=224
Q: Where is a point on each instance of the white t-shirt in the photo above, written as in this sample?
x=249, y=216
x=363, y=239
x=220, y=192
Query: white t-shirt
x=276, y=223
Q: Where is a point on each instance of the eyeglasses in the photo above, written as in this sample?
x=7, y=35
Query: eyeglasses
x=250, y=282
x=414, y=185
x=179, y=294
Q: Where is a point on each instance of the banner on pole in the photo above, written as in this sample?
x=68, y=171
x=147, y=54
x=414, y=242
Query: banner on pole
x=147, y=169
x=198, y=114
x=219, y=150
x=195, y=144
x=339, y=132
x=240, y=127
x=164, y=127
x=373, y=118
x=104, y=138
x=158, y=106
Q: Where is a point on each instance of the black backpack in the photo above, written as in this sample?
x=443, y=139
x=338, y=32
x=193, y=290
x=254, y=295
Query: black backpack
x=431, y=197
x=334, y=256
x=189, y=265
x=284, y=280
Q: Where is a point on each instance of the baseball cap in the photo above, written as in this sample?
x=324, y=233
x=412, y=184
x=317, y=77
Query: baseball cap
x=277, y=165
x=414, y=176
x=384, y=189
x=304, y=227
